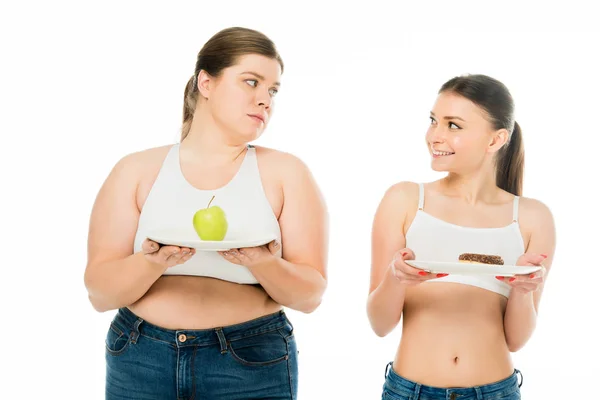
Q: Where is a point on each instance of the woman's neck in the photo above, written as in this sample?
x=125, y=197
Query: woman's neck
x=479, y=186
x=209, y=142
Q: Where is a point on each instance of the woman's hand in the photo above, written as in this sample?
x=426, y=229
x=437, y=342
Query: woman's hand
x=409, y=276
x=252, y=256
x=528, y=282
x=166, y=256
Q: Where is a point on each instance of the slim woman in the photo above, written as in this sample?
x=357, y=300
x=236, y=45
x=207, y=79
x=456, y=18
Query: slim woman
x=458, y=331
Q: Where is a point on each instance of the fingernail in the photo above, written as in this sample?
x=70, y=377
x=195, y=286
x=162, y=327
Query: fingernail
x=512, y=279
x=545, y=256
x=532, y=276
x=441, y=275
x=403, y=254
x=500, y=278
x=422, y=273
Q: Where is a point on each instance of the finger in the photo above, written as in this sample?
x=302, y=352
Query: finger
x=231, y=256
x=422, y=276
x=169, y=253
x=410, y=270
x=406, y=254
x=525, y=287
x=534, y=259
x=149, y=246
x=526, y=278
x=274, y=247
x=244, y=255
x=408, y=279
x=399, y=264
x=431, y=275
x=535, y=275
x=186, y=254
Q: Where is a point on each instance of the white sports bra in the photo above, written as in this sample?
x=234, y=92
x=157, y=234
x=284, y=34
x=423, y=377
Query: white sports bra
x=172, y=202
x=432, y=239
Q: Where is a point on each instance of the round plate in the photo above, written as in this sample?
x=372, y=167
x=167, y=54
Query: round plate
x=458, y=268
x=173, y=239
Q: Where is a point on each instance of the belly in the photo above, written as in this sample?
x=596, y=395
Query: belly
x=453, y=336
x=190, y=302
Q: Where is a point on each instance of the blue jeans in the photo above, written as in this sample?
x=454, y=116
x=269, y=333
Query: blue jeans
x=252, y=360
x=399, y=388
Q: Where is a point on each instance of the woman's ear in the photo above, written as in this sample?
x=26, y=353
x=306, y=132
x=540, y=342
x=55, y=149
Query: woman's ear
x=498, y=140
x=204, y=83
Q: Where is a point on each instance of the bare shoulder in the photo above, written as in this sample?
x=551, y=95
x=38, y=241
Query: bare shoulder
x=395, y=210
x=279, y=158
x=535, y=216
x=534, y=210
x=138, y=170
x=401, y=194
x=140, y=160
x=281, y=165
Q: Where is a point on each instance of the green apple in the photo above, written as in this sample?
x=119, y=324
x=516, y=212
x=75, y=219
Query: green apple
x=210, y=223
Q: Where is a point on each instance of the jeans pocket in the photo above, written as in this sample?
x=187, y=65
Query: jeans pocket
x=262, y=349
x=514, y=395
x=389, y=395
x=117, y=339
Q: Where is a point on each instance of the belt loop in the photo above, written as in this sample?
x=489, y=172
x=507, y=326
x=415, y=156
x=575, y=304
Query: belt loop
x=519, y=372
x=478, y=392
x=222, y=340
x=387, y=368
x=135, y=333
x=417, y=392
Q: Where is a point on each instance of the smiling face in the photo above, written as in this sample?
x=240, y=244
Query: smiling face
x=241, y=98
x=461, y=138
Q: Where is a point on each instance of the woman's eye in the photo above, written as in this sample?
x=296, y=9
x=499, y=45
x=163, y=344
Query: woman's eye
x=432, y=120
x=452, y=125
x=252, y=82
x=273, y=92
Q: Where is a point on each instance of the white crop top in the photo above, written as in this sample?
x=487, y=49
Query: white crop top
x=172, y=202
x=432, y=239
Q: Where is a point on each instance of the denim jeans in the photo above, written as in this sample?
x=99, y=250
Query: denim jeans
x=399, y=388
x=252, y=360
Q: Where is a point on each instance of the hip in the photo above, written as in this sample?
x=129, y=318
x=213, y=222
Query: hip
x=398, y=387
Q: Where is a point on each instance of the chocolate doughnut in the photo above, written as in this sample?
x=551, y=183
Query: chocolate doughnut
x=480, y=259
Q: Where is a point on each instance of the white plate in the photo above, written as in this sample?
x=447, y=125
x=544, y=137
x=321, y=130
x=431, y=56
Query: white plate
x=458, y=268
x=167, y=238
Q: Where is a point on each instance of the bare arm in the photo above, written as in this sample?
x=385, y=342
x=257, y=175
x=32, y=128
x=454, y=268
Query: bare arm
x=522, y=307
x=114, y=277
x=299, y=279
x=386, y=293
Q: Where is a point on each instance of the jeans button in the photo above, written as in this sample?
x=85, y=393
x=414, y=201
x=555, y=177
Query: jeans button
x=182, y=338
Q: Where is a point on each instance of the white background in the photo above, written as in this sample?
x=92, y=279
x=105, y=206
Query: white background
x=83, y=84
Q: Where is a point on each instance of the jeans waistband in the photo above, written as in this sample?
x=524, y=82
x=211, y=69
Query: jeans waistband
x=201, y=337
x=400, y=384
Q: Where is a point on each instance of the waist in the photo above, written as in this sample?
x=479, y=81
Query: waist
x=190, y=302
x=453, y=335
x=125, y=318
x=402, y=386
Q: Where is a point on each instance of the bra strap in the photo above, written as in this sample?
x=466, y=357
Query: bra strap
x=516, y=209
x=421, y=196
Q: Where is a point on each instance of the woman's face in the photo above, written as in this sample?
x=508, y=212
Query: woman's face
x=241, y=98
x=461, y=138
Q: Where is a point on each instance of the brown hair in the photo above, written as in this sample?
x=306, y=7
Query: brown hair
x=220, y=52
x=493, y=96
